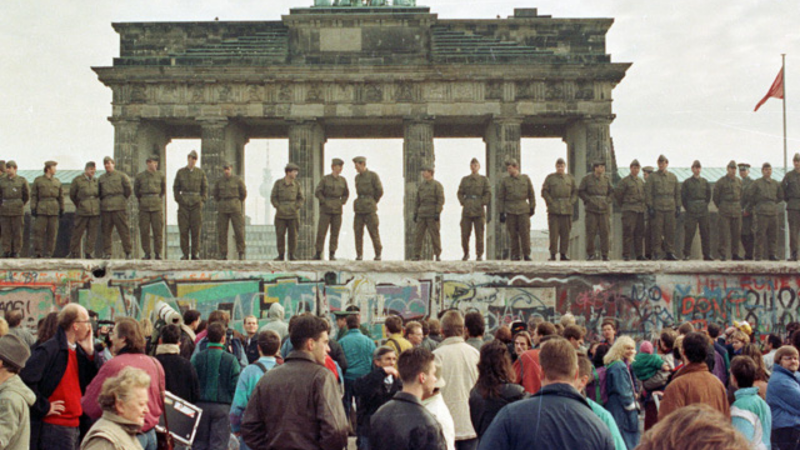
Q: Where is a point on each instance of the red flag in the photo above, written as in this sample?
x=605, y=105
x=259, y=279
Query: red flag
x=776, y=90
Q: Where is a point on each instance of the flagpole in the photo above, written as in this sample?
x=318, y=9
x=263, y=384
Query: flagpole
x=787, y=255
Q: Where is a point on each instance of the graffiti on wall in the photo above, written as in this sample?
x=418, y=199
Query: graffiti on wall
x=642, y=304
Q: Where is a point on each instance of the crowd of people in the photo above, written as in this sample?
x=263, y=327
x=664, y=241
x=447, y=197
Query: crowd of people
x=435, y=383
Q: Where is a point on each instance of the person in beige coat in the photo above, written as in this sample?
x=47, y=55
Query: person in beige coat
x=15, y=397
x=459, y=363
x=124, y=401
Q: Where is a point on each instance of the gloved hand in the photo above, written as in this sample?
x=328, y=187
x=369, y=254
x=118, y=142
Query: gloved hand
x=651, y=213
x=437, y=217
x=530, y=213
x=34, y=213
x=677, y=212
x=502, y=217
x=415, y=217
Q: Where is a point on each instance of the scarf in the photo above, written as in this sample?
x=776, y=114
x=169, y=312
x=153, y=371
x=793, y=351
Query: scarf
x=168, y=349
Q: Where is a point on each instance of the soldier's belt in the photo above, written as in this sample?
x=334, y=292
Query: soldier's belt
x=190, y=192
x=151, y=195
x=228, y=198
x=472, y=197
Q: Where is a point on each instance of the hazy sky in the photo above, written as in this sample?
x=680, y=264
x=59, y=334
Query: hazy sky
x=699, y=68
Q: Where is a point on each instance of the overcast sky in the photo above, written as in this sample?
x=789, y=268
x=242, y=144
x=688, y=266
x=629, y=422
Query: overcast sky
x=699, y=68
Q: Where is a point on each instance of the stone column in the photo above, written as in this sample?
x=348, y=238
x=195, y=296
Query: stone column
x=586, y=142
x=134, y=141
x=503, y=141
x=222, y=141
x=417, y=152
x=306, y=149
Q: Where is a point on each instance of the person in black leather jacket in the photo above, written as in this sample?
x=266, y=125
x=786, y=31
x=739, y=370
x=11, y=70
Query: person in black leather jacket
x=375, y=389
x=495, y=387
x=403, y=423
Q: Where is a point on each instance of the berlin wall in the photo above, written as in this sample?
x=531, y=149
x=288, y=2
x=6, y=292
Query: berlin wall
x=642, y=297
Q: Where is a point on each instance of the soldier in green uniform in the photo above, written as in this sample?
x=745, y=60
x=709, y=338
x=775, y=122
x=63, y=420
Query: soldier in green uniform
x=560, y=192
x=14, y=193
x=695, y=196
x=85, y=195
x=230, y=193
x=791, y=189
x=765, y=196
x=2, y=174
x=630, y=196
x=115, y=190
x=474, y=194
x=428, y=205
x=597, y=195
x=191, y=191
x=47, y=206
x=332, y=193
x=517, y=203
x=648, y=223
x=728, y=198
x=663, y=196
x=748, y=225
x=150, y=187
x=287, y=198
x=369, y=191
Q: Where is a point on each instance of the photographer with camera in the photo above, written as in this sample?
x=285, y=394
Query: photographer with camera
x=233, y=339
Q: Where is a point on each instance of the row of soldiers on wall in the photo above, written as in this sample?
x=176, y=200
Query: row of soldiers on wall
x=650, y=206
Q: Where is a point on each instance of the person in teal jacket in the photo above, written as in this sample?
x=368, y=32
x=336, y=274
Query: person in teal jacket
x=269, y=342
x=621, y=394
x=585, y=373
x=358, y=351
x=783, y=398
x=749, y=413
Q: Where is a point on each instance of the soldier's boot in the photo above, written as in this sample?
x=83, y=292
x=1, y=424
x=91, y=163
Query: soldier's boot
x=793, y=257
x=88, y=256
x=605, y=257
x=707, y=258
x=737, y=258
x=626, y=258
x=642, y=258
x=552, y=257
x=146, y=256
x=670, y=257
x=687, y=257
x=241, y=256
x=7, y=255
x=280, y=257
x=415, y=258
x=359, y=257
x=292, y=258
x=158, y=257
x=564, y=257
x=128, y=256
x=195, y=257
x=438, y=258
x=377, y=257
x=527, y=258
x=479, y=258
x=771, y=258
x=317, y=256
x=223, y=256
x=332, y=256
x=591, y=257
x=648, y=257
x=466, y=257
x=15, y=255
x=184, y=258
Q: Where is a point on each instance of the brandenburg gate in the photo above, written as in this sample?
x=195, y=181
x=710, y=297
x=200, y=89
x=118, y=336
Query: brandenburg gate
x=363, y=72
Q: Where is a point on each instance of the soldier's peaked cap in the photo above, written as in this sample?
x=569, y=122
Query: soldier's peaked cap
x=107, y=159
x=291, y=166
x=512, y=162
x=743, y=165
x=766, y=165
x=11, y=163
x=635, y=163
x=662, y=158
x=696, y=163
x=796, y=157
x=428, y=167
x=732, y=164
x=648, y=169
x=226, y=164
x=474, y=161
x=90, y=165
x=561, y=161
x=152, y=158
x=193, y=154
x=598, y=162
x=337, y=162
x=359, y=159
x=50, y=163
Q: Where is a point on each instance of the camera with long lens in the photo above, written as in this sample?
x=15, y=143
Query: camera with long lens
x=167, y=314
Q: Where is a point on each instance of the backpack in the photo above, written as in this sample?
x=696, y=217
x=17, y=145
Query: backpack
x=597, y=390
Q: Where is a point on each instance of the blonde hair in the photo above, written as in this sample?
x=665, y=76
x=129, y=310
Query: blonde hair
x=740, y=335
x=567, y=320
x=698, y=426
x=147, y=327
x=120, y=387
x=786, y=350
x=617, y=351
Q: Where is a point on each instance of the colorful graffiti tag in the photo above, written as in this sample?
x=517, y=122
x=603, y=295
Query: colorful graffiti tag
x=642, y=304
